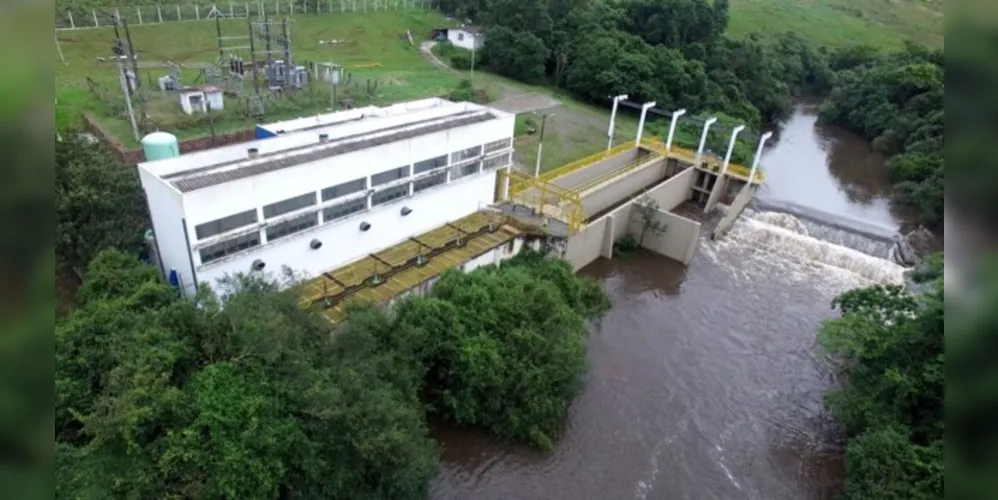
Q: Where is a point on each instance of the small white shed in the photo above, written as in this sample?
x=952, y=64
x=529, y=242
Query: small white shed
x=198, y=100
x=466, y=37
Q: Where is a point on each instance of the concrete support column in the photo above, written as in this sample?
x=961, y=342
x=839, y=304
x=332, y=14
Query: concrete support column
x=758, y=155
x=613, y=118
x=703, y=140
x=641, y=122
x=672, y=128
x=721, y=184
x=505, y=182
x=731, y=148
x=607, y=249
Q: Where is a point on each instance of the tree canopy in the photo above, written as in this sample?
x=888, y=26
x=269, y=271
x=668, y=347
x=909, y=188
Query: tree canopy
x=99, y=203
x=890, y=345
x=243, y=394
x=674, y=53
x=896, y=100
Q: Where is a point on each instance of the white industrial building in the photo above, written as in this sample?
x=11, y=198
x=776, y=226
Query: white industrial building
x=317, y=198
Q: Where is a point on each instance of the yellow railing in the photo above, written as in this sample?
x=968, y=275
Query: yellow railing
x=547, y=199
x=585, y=162
x=735, y=169
x=592, y=183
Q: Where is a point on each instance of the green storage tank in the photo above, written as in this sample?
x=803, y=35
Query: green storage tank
x=159, y=145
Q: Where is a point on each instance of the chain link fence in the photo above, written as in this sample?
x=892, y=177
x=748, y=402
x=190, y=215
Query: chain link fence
x=84, y=18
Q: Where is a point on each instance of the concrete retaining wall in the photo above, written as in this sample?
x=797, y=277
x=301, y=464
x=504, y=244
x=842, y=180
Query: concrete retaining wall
x=673, y=192
x=602, y=167
x=679, y=241
x=586, y=245
x=622, y=188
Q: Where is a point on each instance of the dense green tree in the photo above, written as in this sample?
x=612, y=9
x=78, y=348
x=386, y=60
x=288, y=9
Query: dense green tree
x=98, y=202
x=504, y=348
x=890, y=346
x=896, y=101
x=161, y=397
x=517, y=54
x=672, y=52
x=676, y=23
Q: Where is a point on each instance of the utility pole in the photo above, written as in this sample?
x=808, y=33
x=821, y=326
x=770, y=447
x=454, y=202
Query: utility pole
x=286, y=41
x=131, y=55
x=540, y=145
x=218, y=30
x=128, y=98
x=256, y=81
x=472, y=77
x=58, y=49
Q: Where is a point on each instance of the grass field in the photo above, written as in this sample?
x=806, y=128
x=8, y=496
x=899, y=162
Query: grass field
x=879, y=23
x=366, y=38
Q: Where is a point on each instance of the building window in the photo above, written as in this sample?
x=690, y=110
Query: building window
x=389, y=176
x=464, y=170
x=465, y=154
x=497, y=161
x=427, y=165
x=429, y=181
x=344, y=189
x=288, y=205
x=225, y=224
x=498, y=145
x=228, y=247
x=460, y=36
x=292, y=226
x=390, y=194
x=337, y=212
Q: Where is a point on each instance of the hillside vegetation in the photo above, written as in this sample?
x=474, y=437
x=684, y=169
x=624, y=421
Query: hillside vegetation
x=158, y=396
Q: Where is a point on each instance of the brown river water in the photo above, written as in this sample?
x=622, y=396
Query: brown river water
x=705, y=381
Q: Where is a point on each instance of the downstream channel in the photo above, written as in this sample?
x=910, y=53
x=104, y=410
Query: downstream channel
x=704, y=380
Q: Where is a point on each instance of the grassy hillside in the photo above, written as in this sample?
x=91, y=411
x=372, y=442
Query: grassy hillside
x=879, y=23
x=365, y=38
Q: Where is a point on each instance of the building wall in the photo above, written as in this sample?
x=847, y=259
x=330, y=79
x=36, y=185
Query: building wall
x=343, y=241
x=310, y=137
x=465, y=40
x=215, y=202
x=167, y=216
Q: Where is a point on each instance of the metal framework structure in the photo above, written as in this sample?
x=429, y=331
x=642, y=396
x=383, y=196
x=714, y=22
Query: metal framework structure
x=380, y=276
x=545, y=198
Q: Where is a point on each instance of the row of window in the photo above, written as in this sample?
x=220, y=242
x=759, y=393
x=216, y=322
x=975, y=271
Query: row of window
x=249, y=217
x=285, y=228
x=339, y=211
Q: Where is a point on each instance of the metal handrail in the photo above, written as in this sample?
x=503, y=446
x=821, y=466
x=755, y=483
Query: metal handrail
x=590, y=184
x=584, y=162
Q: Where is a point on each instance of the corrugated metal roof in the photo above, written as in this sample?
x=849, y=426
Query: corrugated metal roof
x=284, y=160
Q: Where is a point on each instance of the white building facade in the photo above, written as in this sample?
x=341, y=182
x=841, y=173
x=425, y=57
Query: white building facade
x=466, y=37
x=319, y=198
